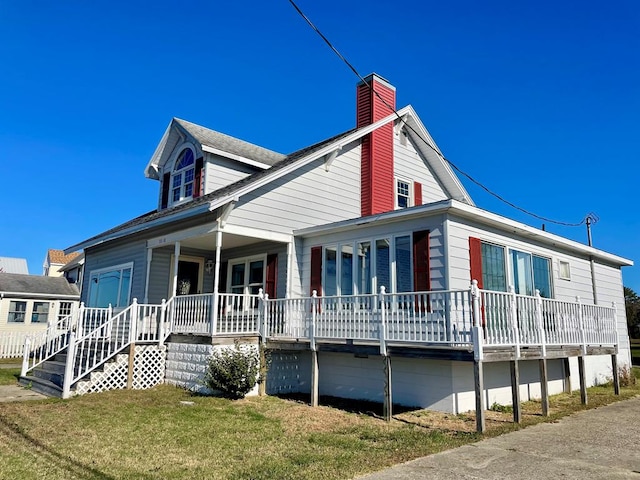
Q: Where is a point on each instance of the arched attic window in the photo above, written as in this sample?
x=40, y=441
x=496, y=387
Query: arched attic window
x=184, y=180
x=183, y=176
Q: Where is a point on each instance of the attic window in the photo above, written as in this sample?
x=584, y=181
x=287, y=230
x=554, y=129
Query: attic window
x=183, y=176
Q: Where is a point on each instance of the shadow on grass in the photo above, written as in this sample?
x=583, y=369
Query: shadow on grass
x=76, y=469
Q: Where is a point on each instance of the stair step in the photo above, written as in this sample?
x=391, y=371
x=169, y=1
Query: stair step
x=49, y=376
x=41, y=385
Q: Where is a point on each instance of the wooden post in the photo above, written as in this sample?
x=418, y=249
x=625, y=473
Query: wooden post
x=262, y=386
x=25, y=357
x=314, y=352
x=132, y=355
x=478, y=375
x=566, y=381
x=388, y=397
x=616, y=376
x=515, y=391
x=314, y=378
x=544, y=386
x=68, y=368
x=583, y=384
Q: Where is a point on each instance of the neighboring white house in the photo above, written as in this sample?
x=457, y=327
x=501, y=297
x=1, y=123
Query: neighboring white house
x=373, y=208
x=28, y=305
x=55, y=260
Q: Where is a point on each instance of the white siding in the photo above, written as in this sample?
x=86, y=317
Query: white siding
x=307, y=197
x=410, y=165
x=608, y=278
x=220, y=172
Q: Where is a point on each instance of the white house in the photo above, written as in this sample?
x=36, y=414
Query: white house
x=375, y=222
x=28, y=305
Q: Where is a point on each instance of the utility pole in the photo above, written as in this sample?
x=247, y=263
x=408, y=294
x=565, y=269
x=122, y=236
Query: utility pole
x=589, y=219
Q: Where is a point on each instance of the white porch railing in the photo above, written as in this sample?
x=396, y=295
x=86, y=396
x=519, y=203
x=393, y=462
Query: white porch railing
x=42, y=346
x=88, y=350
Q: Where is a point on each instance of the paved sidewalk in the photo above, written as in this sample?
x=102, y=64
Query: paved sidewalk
x=16, y=393
x=595, y=444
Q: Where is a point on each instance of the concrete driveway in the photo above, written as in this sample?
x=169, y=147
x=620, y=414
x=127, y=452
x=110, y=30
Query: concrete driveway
x=603, y=443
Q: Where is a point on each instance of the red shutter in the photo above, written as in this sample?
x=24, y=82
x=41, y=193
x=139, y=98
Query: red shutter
x=272, y=275
x=316, y=270
x=421, y=271
x=417, y=193
x=475, y=256
x=197, y=183
x=166, y=182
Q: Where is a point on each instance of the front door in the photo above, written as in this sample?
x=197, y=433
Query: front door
x=188, y=276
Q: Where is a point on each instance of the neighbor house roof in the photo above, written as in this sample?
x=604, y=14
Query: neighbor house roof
x=59, y=258
x=14, y=265
x=16, y=285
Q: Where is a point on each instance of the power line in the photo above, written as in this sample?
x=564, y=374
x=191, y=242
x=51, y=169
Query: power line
x=451, y=164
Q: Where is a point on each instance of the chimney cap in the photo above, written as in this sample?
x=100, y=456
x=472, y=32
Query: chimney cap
x=374, y=76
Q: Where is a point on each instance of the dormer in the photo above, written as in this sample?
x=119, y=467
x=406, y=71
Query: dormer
x=192, y=161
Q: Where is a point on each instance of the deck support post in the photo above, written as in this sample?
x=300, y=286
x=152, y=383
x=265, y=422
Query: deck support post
x=314, y=378
x=315, y=370
x=388, y=396
x=544, y=386
x=132, y=358
x=478, y=375
x=515, y=391
x=583, y=382
x=616, y=377
x=566, y=380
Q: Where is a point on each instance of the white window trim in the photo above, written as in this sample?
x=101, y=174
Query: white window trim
x=410, y=199
x=509, y=264
x=172, y=163
x=375, y=289
x=246, y=261
x=25, y=312
x=121, y=266
x=568, y=264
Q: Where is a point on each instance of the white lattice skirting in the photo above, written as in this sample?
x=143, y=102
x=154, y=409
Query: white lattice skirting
x=148, y=371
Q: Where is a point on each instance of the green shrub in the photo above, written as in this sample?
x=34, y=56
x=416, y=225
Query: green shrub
x=233, y=371
x=496, y=407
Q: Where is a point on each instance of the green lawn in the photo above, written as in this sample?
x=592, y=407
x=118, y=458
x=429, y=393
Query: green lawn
x=152, y=434
x=9, y=376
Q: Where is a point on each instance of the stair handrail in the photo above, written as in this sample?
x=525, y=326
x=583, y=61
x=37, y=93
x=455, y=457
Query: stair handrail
x=43, y=346
x=90, y=350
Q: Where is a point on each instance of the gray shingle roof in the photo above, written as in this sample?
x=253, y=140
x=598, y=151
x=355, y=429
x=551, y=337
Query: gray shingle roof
x=221, y=192
x=230, y=144
x=29, y=284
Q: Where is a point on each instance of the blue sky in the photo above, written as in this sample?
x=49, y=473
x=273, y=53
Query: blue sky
x=537, y=100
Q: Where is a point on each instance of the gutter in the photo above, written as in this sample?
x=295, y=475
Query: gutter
x=49, y=296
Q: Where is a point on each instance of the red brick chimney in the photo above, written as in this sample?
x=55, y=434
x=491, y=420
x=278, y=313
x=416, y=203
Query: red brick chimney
x=377, y=184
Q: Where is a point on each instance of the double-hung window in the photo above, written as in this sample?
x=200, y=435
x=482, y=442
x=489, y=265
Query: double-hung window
x=111, y=286
x=403, y=193
x=40, y=312
x=17, y=311
x=182, y=178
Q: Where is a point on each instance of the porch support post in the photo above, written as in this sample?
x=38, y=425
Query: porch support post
x=176, y=259
x=314, y=350
x=290, y=249
x=583, y=384
x=388, y=396
x=478, y=375
x=567, y=375
x=616, y=377
x=515, y=391
x=216, y=283
x=146, y=280
x=544, y=386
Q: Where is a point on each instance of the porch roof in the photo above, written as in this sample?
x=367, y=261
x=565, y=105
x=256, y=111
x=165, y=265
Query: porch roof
x=470, y=212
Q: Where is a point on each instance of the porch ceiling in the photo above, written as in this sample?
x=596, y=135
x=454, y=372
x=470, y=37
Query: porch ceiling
x=229, y=240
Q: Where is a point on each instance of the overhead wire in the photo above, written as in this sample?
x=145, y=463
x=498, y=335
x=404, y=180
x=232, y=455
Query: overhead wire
x=435, y=150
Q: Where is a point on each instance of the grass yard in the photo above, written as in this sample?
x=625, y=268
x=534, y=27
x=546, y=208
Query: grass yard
x=153, y=434
x=9, y=376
